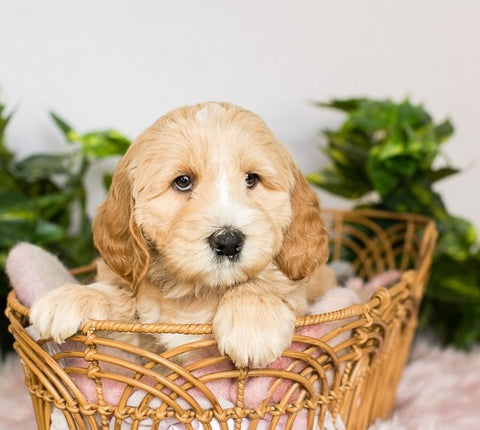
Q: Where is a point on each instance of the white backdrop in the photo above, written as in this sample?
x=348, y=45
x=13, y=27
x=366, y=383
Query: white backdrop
x=121, y=64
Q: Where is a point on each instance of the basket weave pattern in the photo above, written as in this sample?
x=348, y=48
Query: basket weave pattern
x=351, y=372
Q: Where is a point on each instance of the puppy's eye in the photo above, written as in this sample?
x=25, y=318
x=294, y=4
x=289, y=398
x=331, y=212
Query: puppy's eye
x=251, y=179
x=183, y=183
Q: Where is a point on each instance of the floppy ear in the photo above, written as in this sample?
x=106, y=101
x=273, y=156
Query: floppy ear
x=305, y=242
x=117, y=235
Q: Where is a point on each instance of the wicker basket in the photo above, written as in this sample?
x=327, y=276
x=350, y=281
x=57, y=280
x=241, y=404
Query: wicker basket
x=354, y=380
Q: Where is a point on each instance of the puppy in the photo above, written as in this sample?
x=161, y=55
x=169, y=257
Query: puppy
x=207, y=219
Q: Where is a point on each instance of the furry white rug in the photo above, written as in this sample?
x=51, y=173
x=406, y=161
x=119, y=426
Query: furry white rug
x=440, y=390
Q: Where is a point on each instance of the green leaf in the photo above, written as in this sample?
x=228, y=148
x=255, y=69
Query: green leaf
x=382, y=178
x=95, y=144
x=347, y=137
x=13, y=200
x=339, y=157
x=455, y=281
x=403, y=168
x=355, y=155
x=411, y=115
x=15, y=230
x=17, y=218
x=330, y=181
x=47, y=232
x=107, y=180
x=102, y=144
x=14, y=206
x=455, y=323
x=468, y=331
x=67, y=130
x=390, y=149
x=439, y=174
x=457, y=290
x=8, y=181
x=79, y=250
x=44, y=166
x=347, y=105
x=457, y=238
x=414, y=197
x=5, y=155
x=349, y=163
x=443, y=131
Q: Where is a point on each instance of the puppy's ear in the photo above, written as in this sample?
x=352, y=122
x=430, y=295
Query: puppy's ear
x=305, y=242
x=117, y=235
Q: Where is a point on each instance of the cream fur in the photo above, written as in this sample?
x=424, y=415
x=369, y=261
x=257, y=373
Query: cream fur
x=154, y=238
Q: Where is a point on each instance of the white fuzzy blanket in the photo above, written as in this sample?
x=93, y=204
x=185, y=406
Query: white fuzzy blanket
x=440, y=390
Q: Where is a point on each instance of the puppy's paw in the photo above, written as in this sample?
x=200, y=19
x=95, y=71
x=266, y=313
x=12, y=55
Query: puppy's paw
x=253, y=331
x=59, y=313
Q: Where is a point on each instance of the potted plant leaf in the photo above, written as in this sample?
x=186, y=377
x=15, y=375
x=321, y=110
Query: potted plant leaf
x=385, y=155
x=43, y=197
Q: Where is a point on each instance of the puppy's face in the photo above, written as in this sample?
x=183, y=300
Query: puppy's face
x=212, y=196
x=206, y=197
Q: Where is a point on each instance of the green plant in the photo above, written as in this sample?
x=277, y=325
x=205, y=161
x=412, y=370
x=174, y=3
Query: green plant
x=43, y=196
x=386, y=154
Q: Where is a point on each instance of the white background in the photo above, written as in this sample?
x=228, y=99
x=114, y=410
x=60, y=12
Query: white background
x=121, y=64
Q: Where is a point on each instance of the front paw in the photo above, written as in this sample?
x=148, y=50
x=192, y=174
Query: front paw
x=253, y=332
x=59, y=313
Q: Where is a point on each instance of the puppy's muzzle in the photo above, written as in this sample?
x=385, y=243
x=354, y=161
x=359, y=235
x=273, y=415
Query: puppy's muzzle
x=227, y=242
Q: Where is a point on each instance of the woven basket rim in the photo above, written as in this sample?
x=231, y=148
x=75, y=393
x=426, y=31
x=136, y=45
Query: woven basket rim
x=380, y=297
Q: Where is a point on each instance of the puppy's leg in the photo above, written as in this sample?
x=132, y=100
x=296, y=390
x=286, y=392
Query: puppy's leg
x=322, y=280
x=60, y=312
x=254, y=326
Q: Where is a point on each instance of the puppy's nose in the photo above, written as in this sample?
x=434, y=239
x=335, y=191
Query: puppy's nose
x=227, y=242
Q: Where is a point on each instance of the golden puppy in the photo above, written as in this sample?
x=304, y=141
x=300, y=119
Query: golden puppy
x=208, y=219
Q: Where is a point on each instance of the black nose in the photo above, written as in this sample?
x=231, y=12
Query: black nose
x=227, y=242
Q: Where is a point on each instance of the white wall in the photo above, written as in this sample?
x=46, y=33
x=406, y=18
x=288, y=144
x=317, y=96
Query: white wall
x=121, y=64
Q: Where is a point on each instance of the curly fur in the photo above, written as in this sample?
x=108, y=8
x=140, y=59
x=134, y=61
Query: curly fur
x=154, y=238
